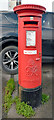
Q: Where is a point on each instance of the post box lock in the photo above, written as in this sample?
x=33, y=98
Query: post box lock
x=39, y=53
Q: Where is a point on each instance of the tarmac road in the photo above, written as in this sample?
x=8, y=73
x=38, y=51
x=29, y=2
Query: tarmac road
x=43, y=111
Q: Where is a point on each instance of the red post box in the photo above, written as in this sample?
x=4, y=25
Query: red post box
x=30, y=52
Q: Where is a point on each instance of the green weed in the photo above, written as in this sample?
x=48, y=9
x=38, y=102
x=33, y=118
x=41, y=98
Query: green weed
x=21, y=107
x=8, y=101
x=45, y=98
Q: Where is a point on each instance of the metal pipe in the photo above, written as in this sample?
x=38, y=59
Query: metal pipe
x=18, y=2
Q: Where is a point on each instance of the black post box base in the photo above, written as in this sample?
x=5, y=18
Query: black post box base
x=31, y=96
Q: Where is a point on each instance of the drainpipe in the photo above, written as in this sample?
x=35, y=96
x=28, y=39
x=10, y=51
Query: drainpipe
x=18, y=2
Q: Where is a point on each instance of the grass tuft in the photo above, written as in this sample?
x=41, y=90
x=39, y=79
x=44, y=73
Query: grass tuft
x=45, y=98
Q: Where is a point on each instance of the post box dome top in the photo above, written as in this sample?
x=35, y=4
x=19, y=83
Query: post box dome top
x=26, y=7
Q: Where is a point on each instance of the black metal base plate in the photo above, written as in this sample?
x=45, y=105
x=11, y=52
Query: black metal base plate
x=32, y=97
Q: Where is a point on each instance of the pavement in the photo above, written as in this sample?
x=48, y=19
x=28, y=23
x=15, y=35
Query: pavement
x=42, y=111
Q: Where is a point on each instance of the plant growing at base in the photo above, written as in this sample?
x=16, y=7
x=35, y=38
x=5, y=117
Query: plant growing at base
x=21, y=107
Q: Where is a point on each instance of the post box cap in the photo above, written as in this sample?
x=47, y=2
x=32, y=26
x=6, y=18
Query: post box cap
x=25, y=7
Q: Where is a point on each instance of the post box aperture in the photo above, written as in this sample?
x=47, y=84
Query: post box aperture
x=30, y=50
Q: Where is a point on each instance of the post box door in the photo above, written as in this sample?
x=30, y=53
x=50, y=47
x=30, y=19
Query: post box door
x=30, y=55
